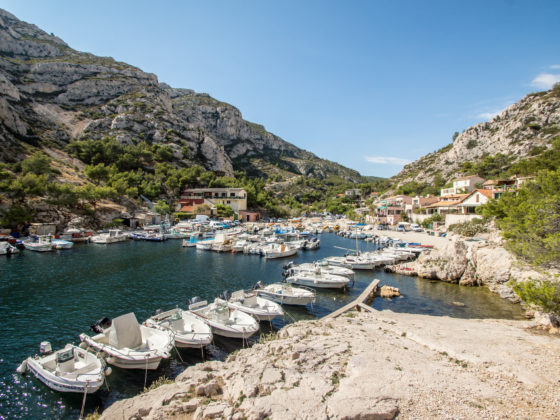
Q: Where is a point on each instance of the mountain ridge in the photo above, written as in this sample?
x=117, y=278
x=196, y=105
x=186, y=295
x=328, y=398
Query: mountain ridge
x=53, y=94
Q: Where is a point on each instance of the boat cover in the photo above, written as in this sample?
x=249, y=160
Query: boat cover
x=125, y=332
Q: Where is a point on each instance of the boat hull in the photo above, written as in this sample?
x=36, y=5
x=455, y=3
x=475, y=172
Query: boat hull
x=60, y=384
x=286, y=300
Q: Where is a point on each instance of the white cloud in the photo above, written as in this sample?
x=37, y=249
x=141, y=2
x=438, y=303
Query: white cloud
x=545, y=80
x=488, y=115
x=387, y=160
x=555, y=66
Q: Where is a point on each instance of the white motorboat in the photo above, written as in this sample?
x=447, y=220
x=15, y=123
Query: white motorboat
x=62, y=244
x=224, y=321
x=7, y=249
x=70, y=369
x=188, y=330
x=129, y=345
x=359, y=263
x=321, y=281
x=41, y=243
x=286, y=294
x=239, y=245
x=279, y=251
x=204, y=245
x=319, y=267
x=113, y=236
x=260, y=308
x=337, y=261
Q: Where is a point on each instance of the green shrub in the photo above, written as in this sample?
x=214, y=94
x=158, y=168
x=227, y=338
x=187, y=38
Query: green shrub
x=470, y=228
x=543, y=293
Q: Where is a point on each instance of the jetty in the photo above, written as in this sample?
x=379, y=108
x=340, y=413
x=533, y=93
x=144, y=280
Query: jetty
x=359, y=303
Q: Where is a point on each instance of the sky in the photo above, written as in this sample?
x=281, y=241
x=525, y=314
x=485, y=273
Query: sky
x=370, y=84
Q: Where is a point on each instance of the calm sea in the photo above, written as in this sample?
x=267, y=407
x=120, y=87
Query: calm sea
x=56, y=296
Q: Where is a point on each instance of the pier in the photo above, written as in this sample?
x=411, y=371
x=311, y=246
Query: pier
x=359, y=303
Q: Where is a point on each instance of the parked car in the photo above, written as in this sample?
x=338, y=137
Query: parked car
x=416, y=228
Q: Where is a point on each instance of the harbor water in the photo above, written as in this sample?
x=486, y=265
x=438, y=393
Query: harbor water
x=56, y=296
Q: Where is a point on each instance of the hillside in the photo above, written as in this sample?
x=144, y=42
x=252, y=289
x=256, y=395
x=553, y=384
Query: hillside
x=52, y=95
x=524, y=129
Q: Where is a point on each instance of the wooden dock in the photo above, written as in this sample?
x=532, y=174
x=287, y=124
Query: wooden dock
x=359, y=303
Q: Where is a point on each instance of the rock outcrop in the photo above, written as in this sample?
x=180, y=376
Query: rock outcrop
x=52, y=94
x=369, y=366
x=475, y=263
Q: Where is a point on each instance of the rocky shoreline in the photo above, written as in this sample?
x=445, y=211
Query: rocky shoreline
x=370, y=366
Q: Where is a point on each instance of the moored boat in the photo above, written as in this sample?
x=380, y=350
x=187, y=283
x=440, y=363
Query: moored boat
x=188, y=330
x=249, y=302
x=285, y=294
x=62, y=244
x=129, y=345
x=113, y=236
x=321, y=281
x=70, y=369
x=41, y=243
x=224, y=321
x=278, y=251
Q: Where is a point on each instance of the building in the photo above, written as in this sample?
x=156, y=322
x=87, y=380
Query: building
x=249, y=216
x=462, y=185
x=473, y=200
x=353, y=193
x=192, y=206
x=500, y=186
x=390, y=211
x=236, y=198
x=447, y=204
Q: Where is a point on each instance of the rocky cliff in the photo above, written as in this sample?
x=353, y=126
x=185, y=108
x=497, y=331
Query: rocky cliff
x=51, y=94
x=369, y=366
x=523, y=129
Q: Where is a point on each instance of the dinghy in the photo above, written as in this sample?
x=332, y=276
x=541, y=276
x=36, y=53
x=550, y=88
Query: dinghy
x=321, y=281
x=129, y=345
x=285, y=294
x=249, y=302
x=188, y=330
x=224, y=321
x=70, y=369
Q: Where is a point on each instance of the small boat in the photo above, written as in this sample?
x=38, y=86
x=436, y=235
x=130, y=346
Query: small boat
x=249, y=302
x=285, y=294
x=130, y=345
x=224, y=321
x=321, y=281
x=70, y=369
x=41, y=243
x=113, y=236
x=337, y=261
x=358, y=263
x=318, y=268
x=279, y=251
x=62, y=244
x=204, y=245
x=7, y=249
x=189, y=243
x=187, y=329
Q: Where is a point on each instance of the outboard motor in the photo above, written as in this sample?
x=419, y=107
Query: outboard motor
x=45, y=348
x=258, y=285
x=193, y=300
x=289, y=265
x=158, y=311
x=101, y=325
x=226, y=295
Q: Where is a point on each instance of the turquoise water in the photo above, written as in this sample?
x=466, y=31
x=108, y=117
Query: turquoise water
x=56, y=296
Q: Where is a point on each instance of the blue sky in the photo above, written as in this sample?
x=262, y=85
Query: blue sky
x=369, y=84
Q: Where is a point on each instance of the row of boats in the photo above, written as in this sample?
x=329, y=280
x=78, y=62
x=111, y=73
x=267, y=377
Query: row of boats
x=127, y=344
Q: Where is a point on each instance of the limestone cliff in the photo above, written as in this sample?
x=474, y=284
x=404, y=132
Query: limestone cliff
x=51, y=94
x=522, y=129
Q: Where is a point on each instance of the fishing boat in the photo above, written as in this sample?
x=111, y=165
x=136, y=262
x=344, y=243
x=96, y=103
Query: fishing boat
x=111, y=237
x=285, y=294
x=130, y=345
x=224, y=321
x=70, y=369
x=279, y=251
x=249, y=302
x=41, y=243
x=321, y=281
x=62, y=244
x=188, y=330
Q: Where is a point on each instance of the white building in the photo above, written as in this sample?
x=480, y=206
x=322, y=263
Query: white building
x=462, y=185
